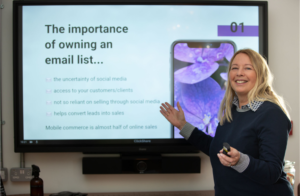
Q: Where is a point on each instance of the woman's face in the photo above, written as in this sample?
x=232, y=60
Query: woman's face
x=242, y=75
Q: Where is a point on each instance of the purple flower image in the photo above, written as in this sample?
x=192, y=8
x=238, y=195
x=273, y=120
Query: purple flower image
x=199, y=79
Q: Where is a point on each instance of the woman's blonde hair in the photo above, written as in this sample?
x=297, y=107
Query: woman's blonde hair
x=262, y=90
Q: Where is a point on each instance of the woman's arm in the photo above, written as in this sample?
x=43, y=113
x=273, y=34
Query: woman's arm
x=199, y=139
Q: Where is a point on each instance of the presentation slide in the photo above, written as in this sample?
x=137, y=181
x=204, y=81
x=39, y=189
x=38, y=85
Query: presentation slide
x=102, y=71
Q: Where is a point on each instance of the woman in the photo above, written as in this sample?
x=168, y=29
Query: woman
x=254, y=121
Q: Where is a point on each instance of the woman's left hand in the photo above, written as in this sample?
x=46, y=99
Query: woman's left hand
x=229, y=161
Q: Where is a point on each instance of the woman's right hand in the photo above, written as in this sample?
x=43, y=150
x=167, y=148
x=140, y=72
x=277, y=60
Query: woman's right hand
x=174, y=116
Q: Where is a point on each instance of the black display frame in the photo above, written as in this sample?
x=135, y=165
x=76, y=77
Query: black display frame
x=108, y=146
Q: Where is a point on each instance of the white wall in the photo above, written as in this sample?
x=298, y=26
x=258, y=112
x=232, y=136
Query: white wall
x=62, y=171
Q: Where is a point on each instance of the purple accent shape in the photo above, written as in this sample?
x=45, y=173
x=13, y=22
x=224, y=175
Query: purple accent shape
x=225, y=30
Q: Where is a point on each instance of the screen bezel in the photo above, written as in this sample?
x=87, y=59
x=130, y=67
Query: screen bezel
x=107, y=146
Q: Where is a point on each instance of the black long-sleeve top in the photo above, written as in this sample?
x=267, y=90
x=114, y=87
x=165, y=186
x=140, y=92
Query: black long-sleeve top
x=262, y=135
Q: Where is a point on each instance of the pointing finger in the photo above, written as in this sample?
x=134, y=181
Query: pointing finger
x=179, y=107
x=170, y=107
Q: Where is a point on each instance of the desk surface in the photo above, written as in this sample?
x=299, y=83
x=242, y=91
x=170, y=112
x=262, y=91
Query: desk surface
x=163, y=193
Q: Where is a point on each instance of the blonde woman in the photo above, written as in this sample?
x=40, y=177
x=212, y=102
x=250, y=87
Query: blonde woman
x=254, y=121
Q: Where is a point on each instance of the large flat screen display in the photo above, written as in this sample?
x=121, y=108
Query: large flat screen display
x=91, y=76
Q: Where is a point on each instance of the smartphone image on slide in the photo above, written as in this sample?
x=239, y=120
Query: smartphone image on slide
x=200, y=76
